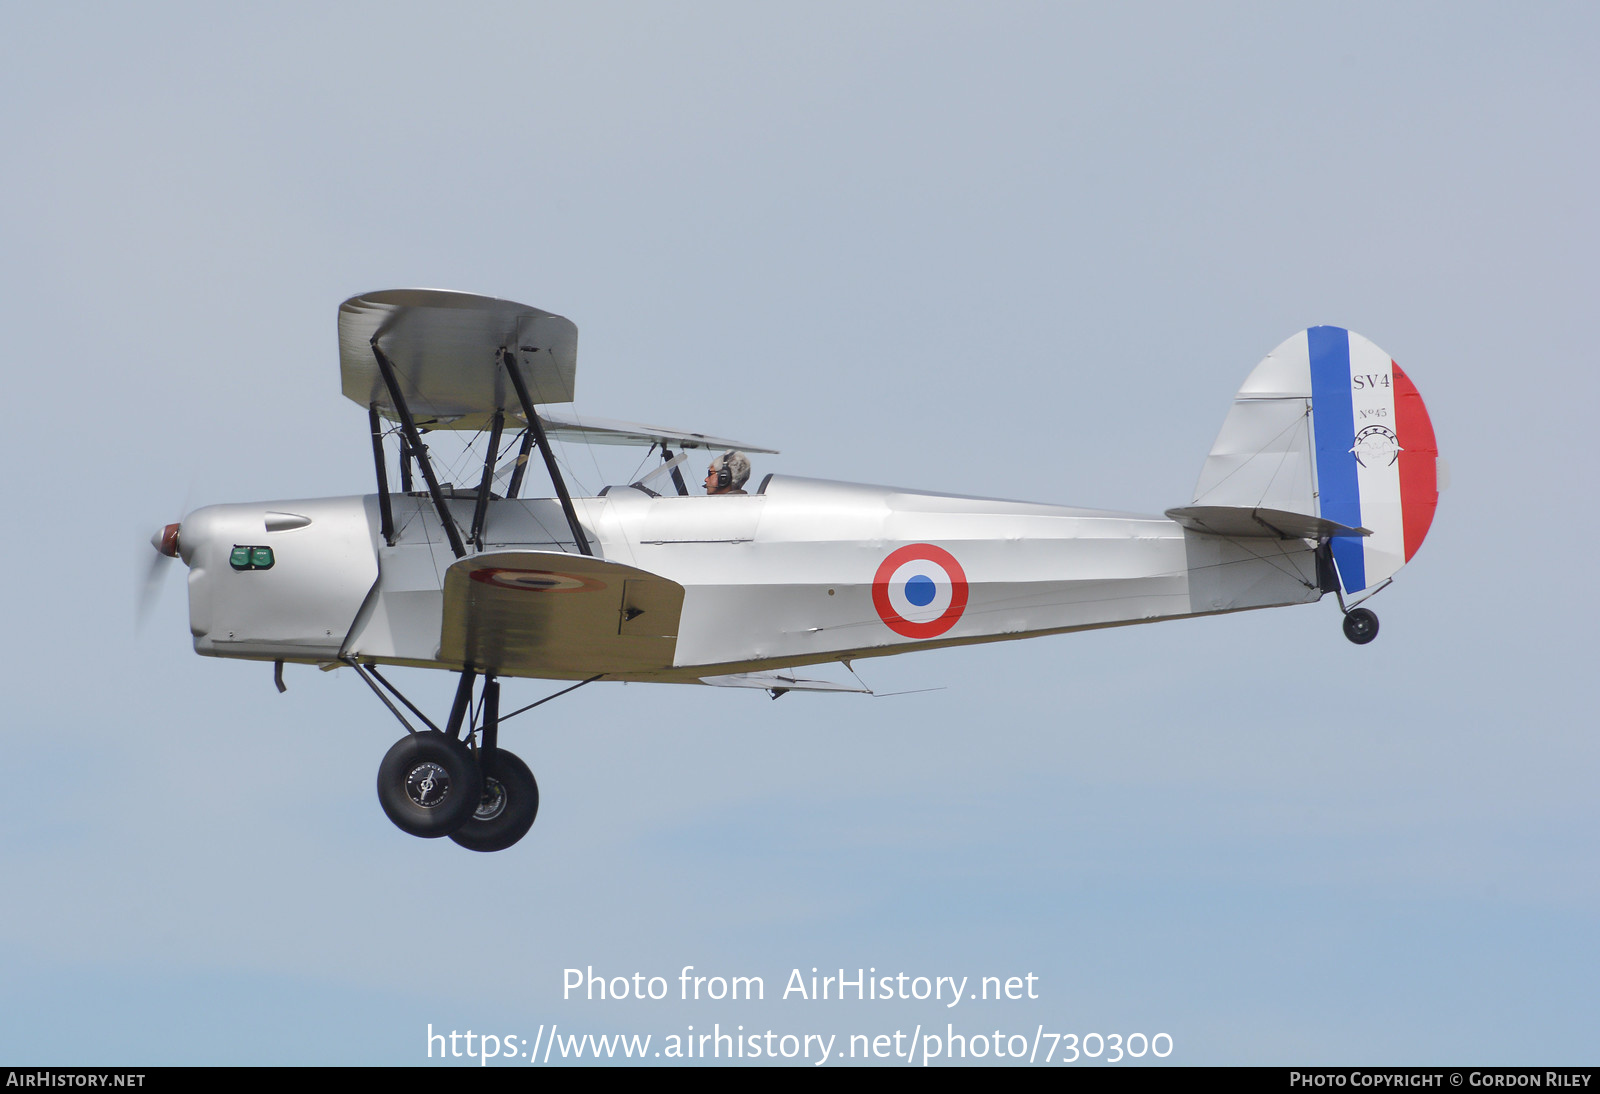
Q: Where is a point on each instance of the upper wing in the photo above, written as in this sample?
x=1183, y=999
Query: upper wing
x=569, y=427
x=446, y=350
x=545, y=613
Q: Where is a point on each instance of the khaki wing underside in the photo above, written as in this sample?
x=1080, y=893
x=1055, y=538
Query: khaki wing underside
x=446, y=350
x=540, y=613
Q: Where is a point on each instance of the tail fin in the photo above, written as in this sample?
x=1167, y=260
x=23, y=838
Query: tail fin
x=1328, y=438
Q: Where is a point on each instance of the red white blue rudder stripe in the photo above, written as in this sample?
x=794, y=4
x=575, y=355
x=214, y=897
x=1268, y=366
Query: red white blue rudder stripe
x=1327, y=425
x=1375, y=453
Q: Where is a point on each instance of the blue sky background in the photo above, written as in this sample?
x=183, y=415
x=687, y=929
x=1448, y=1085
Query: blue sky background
x=1025, y=250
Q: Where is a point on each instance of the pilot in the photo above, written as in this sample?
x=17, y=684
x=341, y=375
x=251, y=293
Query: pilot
x=727, y=474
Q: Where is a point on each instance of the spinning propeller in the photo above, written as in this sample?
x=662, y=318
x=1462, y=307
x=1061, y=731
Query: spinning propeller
x=166, y=544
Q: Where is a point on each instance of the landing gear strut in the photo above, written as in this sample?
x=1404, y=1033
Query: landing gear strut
x=509, y=800
x=456, y=781
x=1360, y=624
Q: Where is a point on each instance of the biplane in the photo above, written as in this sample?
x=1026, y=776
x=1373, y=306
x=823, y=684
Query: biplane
x=1322, y=480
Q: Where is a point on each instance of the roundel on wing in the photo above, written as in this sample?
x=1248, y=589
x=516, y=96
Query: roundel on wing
x=920, y=591
x=536, y=581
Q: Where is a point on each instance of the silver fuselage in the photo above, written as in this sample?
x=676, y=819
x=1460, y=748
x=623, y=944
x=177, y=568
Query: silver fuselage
x=781, y=578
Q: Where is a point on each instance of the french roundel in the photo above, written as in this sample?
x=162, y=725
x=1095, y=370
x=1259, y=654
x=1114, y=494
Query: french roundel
x=920, y=591
x=536, y=581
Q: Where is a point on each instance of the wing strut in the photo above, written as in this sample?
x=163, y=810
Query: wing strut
x=409, y=425
x=385, y=509
x=480, y=510
x=677, y=476
x=537, y=428
x=405, y=466
x=523, y=451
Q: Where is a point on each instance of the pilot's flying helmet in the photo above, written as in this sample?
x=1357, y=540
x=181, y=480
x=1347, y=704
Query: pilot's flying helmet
x=732, y=470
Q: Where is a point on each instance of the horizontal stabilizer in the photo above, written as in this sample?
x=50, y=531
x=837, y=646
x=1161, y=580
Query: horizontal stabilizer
x=780, y=682
x=1238, y=521
x=446, y=349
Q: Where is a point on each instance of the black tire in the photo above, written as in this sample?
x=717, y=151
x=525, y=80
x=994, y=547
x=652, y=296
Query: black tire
x=506, y=811
x=429, y=784
x=1360, y=626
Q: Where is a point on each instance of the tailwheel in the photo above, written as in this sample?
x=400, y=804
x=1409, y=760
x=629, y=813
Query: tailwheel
x=1360, y=625
x=429, y=784
x=507, y=807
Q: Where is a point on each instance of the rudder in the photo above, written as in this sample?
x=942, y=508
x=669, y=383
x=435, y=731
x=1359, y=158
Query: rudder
x=1329, y=427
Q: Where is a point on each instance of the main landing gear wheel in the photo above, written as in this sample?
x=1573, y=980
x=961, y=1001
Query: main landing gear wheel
x=1360, y=626
x=507, y=808
x=429, y=784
